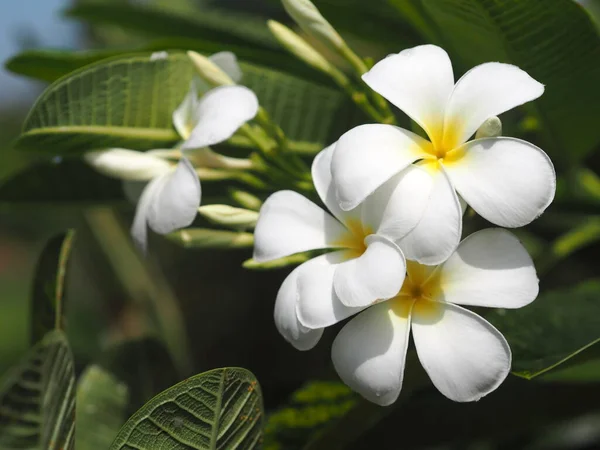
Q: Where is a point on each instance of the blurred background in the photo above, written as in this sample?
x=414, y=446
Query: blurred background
x=109, y=286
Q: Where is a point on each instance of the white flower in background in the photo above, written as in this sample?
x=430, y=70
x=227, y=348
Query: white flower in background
x=507, y=181
x=171, y=199
x=367, y=265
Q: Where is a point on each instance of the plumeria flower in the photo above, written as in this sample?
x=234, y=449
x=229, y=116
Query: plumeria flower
x=171, y=199
x=463, y=354
x=507, y=181
x=366, y=265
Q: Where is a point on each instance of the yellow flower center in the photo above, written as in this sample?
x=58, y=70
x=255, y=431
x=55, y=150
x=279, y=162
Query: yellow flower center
x=353, y=240
x=445, y=145
x=421, y=287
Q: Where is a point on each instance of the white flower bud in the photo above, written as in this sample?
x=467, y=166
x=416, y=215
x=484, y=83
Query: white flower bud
x=209, y=71
x=126, y=164
x=492, y=127
x=308, y=17
x=229, y=216
x=299, y=47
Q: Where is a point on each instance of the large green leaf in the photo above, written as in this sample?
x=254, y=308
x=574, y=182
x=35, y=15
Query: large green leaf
x=554, y=41
x=129, y=101
x=49, y=65
x=219, y=409
x=38, y=399
x=101, y=405
x=226, y=27
x=48, y=299
x=555, y=327
x=122, y=102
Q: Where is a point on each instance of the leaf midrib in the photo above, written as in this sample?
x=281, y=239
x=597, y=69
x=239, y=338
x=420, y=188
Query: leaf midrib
x=215, y=429
x=165, y=134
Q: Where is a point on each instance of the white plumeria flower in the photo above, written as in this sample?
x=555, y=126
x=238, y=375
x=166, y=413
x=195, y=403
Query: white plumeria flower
x=464, y=355
x=171, y=199
x=367, y=264
x=507, y=181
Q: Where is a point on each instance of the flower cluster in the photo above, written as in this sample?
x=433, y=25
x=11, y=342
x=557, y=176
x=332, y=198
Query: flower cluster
x=171, y=197
x=394, y=227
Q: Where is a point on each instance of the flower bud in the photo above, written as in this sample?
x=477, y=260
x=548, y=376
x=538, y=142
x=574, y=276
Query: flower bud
x=279, y=263
x=229, y=216
x=209, y=71
x=246, y=199
x=308, y=17
x=492, y=127
x=205, y=238
x=126, y=164
x=299, y=47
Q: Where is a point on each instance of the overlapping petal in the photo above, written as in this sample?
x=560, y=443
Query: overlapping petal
x=377, y=274
x=396, y=207
x=286, y=320
x=367, y=156
x=419, y=81
x=370, y=351
x=507, y=181
x=290, y=223
x=168, y=202
x=318, y=305
x=220, y=112
x=323, y=182
x=464, y=355
x=490, y=268
x=484, y=91
x=438, y=233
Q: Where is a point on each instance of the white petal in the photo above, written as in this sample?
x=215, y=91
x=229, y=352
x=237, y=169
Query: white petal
x=396, y=207
x=484, y=91
x=175, y=202
x=507, y=181
x=417, y=80
x=377, y=274
x=286, y=319
x=227, y=61
x=464, y=355
x=318, y=306
x=184, y=117
x=221, y=111
x=369, y=155
x=370, y=351
x=490, y=268
x=321, y=175
x=290, y=223
x=438, y=233
x=127, y=164
x=139, y=228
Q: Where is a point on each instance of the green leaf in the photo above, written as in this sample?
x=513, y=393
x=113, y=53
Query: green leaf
x=38, y=399
x=555, y=42
x=226, y=27
x=128, y=102
x=48, y=302
x=122, y=102
x=309, y=411
x=555, y=327
x=101, y=404
x=221, y=409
